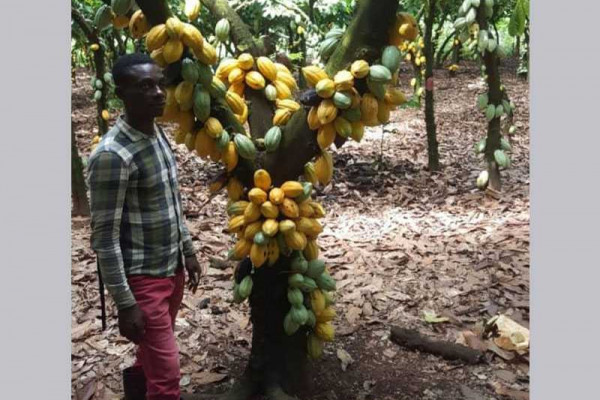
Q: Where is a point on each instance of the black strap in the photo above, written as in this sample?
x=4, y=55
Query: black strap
x=102, y=298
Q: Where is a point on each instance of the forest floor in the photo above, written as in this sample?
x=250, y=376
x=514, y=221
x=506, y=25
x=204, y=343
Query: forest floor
x=399, y=241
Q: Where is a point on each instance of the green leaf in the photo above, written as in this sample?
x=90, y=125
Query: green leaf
x=432, y=318
x=516, y=25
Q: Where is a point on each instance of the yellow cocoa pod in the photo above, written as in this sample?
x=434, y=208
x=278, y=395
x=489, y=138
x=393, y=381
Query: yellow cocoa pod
x=283, y=91
x=369, y=108
x=267, y=68
x=383, y=112
x=314, y=346
x=328, y=314
x=325, y=331
x=159, y=59
x=203, y=144
x=359, y=69
x=120, y=21
x=276, y=196
x=318, y=209
x=327, y=111
x=246, y=61
x=252, y=213
x=313, y=74
x=324, y=168
x=236, y=207
x=287, y=104
x=296, y=240
x=252, y=229
x=174, y=27
x=213, y=127
x=235, y=102
x=287, y=226
x=313, y=119
x=257, y=196
x=269, y=210
x=272, y=252
x=258, y=255
x=225, y=68
x=236, y=76
x=311, y=251
x=317, y=301
x=235, y=190
x=270, y=227
x=287, y=79
x=358, y=131
x=342, y=127
x=191, y=9
x=306, y=210
x=192, y=38
x=241, y=249
x=186, y=121
x=281, y=116
x=289, y=208
x=394, y=96
x=325, y=88
x=236, y=223
x=310, y=227
x=184, y=95
x=243, y=117
x=326, y=135
x=105, y=115
x=281, y=68
x=138, y=25
x=173, y=50
x=343, y=80
x=157, y=37
x=237, y=88
x=255, y=80
x=230, y=156
x=207, y=55
x=292, y=189
x=262, y=179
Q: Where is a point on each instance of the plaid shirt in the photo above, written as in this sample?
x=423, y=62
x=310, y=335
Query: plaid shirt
x=137, y=222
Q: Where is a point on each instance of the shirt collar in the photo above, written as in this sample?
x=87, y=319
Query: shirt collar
x=133, y=134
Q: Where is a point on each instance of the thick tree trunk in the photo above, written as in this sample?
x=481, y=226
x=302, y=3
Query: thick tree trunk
x=494, y=97
x=79, y=200
x=432, y=144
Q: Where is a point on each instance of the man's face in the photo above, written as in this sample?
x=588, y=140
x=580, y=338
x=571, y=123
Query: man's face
x=143, y=91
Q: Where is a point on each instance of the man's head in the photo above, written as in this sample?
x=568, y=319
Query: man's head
x=139, y=83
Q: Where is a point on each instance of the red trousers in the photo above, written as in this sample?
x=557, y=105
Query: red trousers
x=158, y=354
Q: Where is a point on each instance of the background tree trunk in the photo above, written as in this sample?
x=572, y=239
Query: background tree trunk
x=79, y=200
x=432, y=144
x=494, y=97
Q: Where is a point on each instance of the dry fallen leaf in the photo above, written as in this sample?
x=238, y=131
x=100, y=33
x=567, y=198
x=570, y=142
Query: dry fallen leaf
x=345, y=358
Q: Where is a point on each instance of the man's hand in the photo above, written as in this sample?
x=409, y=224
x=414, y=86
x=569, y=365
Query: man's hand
x=195, y=271
x=131, y=323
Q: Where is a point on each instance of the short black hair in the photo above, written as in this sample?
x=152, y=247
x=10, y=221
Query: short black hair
x=123, y=63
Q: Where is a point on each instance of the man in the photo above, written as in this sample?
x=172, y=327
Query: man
x=138, y=229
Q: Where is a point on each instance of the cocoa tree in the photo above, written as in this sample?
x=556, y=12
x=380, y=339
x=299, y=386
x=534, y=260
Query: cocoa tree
x=248, y=113
x=476, y=23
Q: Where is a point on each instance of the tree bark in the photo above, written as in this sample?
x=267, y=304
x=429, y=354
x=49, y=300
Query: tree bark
x=432, y=143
